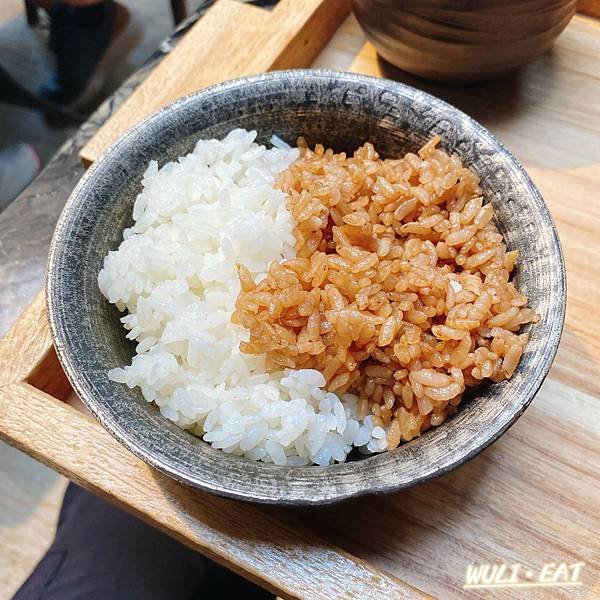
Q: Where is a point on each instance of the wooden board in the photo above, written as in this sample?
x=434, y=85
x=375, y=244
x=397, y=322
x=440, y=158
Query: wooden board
x=531, y=498
x=260, y=543
x=246, y=39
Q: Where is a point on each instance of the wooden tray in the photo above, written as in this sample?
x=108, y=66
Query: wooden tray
x=531, y=498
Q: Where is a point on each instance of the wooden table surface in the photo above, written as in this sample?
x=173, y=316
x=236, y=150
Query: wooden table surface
x=531, y=498
x=534, y=496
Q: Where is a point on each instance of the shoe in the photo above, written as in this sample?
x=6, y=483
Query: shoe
x=79, y=37
x=19, y=164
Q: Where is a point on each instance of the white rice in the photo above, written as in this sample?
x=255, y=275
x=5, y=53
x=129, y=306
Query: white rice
x=175, y=275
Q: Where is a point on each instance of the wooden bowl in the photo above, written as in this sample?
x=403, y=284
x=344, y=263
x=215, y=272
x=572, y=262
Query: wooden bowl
x=340, y=110
x=459, y=41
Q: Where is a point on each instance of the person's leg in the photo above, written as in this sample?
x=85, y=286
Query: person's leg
x=80, y=33
x=101, y=552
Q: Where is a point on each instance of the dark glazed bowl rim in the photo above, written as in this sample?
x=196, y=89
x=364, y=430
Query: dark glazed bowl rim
x=337, y=487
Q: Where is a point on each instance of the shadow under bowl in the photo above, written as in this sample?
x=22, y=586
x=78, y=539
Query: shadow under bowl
x=340, y=110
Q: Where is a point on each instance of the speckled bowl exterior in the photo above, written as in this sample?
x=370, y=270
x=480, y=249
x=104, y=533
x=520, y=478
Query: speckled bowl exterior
x=340, y=110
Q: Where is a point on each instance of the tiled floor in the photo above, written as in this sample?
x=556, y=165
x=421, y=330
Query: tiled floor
x=23, y=53
x=30, y=494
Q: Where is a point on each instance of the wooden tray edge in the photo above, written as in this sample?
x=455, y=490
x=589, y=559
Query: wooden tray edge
x=279, y=556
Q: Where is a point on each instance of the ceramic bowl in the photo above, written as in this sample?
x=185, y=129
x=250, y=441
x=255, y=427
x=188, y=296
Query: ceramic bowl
x=340, y=110
x=462, y=40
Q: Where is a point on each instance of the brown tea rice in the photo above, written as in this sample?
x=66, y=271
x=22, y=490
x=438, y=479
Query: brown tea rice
x=401, y=288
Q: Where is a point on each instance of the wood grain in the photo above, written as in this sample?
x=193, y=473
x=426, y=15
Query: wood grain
x=213, y=51
x=257, y=543
x=531, y=498
x=26, y=344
